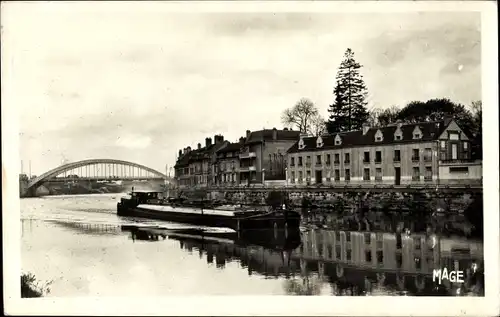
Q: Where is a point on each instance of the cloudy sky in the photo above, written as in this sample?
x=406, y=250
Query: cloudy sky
x=139, y=85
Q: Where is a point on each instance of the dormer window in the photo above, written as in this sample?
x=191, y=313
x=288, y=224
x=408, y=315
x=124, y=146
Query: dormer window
x=398, y=134
x=319, y=142
x=301, y=144
x=338, y=140
x=417, y=133
x=379, y=137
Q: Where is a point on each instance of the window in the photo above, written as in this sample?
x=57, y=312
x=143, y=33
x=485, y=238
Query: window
x=347, y=158
x=466, y=145
x=397, y=156
x=443, y=144
x=366, y=158
x=443, y=156
x=292, y=161
x=338, y=141
x=347, y=174
x=292, y=180
x=459, y=170
x=328, y=176
x=308, y=161
x=416, y=155
x=397, y=137
x=368, y=256
x=318, y=159
x=428, y=155
x=378, y=156
x=337, y=175
x=300, y=176
x=301, y=144
x=337, y=158
x=366, y=174
x=378, y=138
x=328, y=161
x=300, y=161
x=416, y=173
x=378, y=174
x=454, y=136
x=319, y=142
x=428, y=173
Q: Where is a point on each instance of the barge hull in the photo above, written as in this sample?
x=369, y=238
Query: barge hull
x=270, y=220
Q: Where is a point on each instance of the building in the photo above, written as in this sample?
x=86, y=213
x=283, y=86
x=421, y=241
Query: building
x=195, y=168
x=226, y=169
x=263, y=155
x=399, y=154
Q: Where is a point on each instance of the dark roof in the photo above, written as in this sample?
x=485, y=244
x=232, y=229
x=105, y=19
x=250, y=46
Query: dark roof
x=194, y=155
x=267, y=135
x=231, y=147
x=430, y=132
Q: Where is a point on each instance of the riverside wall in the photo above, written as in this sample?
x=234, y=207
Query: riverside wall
x=432, y=199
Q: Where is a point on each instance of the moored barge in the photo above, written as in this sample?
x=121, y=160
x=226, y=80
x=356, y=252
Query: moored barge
x=149, y=204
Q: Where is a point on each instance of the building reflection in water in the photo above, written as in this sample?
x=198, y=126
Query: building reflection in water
x=354, y=263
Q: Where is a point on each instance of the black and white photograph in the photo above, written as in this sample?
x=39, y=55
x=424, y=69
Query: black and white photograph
x=292, y=158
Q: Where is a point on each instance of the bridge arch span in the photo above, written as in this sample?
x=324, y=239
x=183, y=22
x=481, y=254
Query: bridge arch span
x=70, y=166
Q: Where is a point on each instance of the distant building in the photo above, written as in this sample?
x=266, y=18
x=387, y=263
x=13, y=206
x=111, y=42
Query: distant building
x=418, y=153
x=263, y=155
x=195, y=167
x=258, y=157
x=227, y=167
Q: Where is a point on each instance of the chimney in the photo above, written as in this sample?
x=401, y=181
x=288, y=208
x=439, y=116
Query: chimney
x=208, y=142
x=366, y=127
x=199, y=146
x=180, y=153
x=285, y=129
x=275, y=134
x=447, y=119
x=248, y=134
x=218, y=139
x=242, y=140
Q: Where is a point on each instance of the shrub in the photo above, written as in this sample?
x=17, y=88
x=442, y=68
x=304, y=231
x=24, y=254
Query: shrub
x=30, y=287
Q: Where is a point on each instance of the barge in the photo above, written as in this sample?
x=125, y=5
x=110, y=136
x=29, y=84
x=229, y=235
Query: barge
x=150, y=204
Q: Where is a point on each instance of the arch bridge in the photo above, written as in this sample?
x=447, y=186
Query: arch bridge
x=98, y=170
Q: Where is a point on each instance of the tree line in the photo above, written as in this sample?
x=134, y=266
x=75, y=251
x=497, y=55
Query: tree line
x=349, y=112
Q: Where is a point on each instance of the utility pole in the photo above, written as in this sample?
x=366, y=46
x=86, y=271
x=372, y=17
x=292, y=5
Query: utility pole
x=22, y=167
x=30, y=169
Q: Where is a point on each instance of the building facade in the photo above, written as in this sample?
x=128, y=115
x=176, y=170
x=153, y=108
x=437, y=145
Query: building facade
x=263, y=155
x=399, y=154
x=258, y=157
x=195, y=168
x=226, y=169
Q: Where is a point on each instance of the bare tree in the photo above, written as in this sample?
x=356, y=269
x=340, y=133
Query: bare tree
x=304, y=116
x=317, y=126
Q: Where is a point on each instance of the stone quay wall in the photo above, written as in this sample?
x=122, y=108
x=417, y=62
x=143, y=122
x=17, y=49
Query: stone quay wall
x=400, y=199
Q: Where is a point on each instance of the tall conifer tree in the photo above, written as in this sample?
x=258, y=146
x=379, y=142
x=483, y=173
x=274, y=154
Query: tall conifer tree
x=348, y=111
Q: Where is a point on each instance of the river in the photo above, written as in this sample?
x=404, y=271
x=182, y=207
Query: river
x=79, y=245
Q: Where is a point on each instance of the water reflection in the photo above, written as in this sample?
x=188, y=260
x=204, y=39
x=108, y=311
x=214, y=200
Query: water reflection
x=351, y=263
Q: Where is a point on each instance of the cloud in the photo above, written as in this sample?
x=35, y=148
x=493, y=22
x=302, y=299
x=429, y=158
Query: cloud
x=133, y=141
x=104, y=85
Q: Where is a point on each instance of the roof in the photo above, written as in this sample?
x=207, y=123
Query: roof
x=267, y=135
x=231, y=147
x=197, y=155
x=430, y=132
